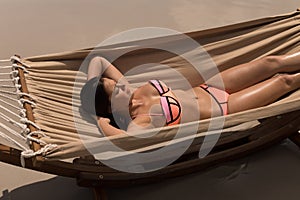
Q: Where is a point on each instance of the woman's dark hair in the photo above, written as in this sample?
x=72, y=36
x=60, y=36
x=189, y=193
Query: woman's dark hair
x=94, y=99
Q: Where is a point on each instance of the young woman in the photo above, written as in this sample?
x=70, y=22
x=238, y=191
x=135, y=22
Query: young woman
x=247, y=86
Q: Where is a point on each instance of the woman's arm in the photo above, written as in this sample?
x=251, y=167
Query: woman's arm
x=135, y=125
x=107, y=129
x=100, y=66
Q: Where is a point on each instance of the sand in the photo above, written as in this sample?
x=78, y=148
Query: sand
x=36, y=27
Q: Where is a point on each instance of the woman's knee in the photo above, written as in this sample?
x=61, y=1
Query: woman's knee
x=274, y=62
x=286, y=80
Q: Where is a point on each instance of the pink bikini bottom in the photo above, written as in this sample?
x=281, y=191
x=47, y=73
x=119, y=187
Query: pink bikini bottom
x=220, y=96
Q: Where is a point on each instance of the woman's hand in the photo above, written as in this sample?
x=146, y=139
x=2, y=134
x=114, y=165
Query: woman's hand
x=107, y=129
x=103, y=120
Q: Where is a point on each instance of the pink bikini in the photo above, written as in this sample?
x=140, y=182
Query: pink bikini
x=220, y=96
x=170, y=106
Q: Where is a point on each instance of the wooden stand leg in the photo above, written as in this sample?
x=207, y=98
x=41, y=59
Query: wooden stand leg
x=100, y=194
x=296, y=138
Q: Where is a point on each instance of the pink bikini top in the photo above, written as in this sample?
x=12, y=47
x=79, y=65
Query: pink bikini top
x=170, y=106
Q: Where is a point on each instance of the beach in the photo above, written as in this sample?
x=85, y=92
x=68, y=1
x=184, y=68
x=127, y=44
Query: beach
x=35, y=27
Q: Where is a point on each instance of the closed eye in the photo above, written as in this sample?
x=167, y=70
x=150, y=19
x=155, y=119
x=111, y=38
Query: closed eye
x=121, y=86
x=117, y=90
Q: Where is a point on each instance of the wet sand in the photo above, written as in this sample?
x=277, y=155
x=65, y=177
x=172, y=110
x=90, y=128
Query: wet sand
x=36, y=27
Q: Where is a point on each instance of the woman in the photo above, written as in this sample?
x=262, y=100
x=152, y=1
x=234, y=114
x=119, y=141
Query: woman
x=246, y=86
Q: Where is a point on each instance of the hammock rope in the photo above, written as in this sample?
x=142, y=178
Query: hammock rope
x=36, y=133
x=21, y=116
x=17, y=59
x=13, y=106
x=12, y=73
x=9, y=139
x=4, y=60
x=13, y=111
x=30, y=153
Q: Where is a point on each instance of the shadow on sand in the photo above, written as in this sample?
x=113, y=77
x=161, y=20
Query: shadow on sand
x=53, y=189
x=269, y=174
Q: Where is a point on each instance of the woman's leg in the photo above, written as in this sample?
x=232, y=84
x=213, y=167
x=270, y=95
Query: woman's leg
x=263, y=93
x=245, y=75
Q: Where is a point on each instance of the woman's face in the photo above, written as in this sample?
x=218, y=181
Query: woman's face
x=119, y=94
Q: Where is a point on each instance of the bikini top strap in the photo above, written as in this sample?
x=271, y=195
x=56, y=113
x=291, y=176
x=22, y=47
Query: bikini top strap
x=159, y=86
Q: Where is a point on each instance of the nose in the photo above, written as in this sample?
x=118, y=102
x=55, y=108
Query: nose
x=121, y=86
x=124, y=88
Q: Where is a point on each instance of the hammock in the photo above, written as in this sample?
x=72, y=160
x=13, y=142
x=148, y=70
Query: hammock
x=41, y=120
